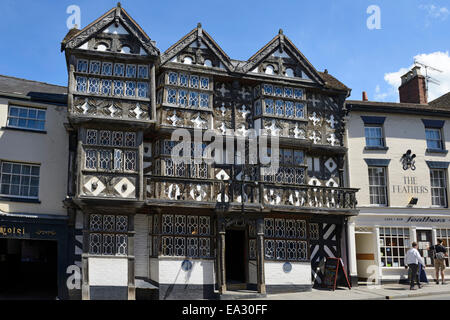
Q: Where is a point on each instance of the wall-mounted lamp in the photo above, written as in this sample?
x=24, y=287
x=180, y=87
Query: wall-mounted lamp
x=412, y=201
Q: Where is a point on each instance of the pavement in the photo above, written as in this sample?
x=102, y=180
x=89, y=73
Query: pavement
x=368, y=292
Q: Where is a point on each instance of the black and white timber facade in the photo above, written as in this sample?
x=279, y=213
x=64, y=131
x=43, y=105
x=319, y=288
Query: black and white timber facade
x=199, y=230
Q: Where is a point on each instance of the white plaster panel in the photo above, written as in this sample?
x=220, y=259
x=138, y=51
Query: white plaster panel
x=108, y=272
x=300, y=273
x=202, y=272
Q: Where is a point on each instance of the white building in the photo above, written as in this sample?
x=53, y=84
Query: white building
x=398, y=157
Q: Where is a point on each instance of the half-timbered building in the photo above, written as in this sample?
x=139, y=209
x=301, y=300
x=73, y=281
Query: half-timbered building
x=203, y=229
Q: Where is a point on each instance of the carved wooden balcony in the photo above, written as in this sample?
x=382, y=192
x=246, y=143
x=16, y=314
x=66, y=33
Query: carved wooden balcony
x=175, y=191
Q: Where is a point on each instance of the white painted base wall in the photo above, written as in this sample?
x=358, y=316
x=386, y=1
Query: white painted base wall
x=202, y=272
x=108, y=271
x=299, y=275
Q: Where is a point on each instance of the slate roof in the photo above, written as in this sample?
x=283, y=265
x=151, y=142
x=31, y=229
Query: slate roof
x=332, y=82
x=440, y=106
x=443, y=102
x=34, y=90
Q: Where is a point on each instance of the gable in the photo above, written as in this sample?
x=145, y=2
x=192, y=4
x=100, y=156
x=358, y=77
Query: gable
x=197, y=48
x=115, y=31
x=281, y=58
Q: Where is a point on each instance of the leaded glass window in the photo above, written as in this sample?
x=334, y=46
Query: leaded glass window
x=94, y=85
x=106, y=87
x=119, y=69
x=107, y=68
x=91, y=159
x=167, y=223
x=183, y=80
x=289, y=109
x=142, y=89
x=194, y=81
x=269, y=106
x=105, y=137
x=173, y=78
x=82, y=65
x=142, y=72
x=192, y=247
x=298, y=93
x=91, y=136
x=269, y=249
x=94, y=67
x=81, y=84
x=130, y=139
x=172, y=96
x=118, y=88
x=291, y=250
x=278, y=91
x=204, y=100
x=268, y=89
x=117, y=159
x=288, y=92
x=180, y=246
x=131, y=88
x=182, y=97
x=314, y=231
x=113, y=240
x=204, y=226
x=105, y=157
x=268, y=228
x=299, y=110
x=204, y=83
x=131, y=71
x=193, y=99
x=117, y=138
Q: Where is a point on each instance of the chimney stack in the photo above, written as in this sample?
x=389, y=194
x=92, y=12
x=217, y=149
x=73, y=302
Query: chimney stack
x=364, y=96
x=413, y=88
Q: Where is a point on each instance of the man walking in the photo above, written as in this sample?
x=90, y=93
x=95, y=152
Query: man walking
x=440, y=252
x=412, y=260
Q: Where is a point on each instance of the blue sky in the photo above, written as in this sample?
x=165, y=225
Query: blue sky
x=332, y=34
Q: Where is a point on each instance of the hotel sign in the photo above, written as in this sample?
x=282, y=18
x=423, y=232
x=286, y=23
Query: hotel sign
x=410, y=185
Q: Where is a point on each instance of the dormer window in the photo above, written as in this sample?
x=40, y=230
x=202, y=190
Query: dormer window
x=187, y=60
x=269, y=69
x=289, y=72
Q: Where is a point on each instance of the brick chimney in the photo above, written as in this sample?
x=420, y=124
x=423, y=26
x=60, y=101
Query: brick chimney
x=364, y=96
x=413, y=88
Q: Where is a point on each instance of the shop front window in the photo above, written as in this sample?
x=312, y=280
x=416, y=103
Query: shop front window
x=394, y=243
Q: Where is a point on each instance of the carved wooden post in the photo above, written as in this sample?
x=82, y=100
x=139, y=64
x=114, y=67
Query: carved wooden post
x=261, y=279
x=221, y=255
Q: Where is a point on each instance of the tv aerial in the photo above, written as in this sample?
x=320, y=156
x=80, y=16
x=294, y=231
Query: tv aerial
x=428, y=79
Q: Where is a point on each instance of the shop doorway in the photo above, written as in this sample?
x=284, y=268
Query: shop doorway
x=367, y=266
x=28, y=269
x=424, y=241
x=235, y=258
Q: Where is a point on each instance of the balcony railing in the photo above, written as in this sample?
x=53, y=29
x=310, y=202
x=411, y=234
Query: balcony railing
x=213, y=192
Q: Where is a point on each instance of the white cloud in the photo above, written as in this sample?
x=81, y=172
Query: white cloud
x=434, y=13
x=438, y=60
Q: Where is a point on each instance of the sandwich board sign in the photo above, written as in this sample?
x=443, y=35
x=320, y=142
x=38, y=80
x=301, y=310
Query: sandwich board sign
x=335, y=274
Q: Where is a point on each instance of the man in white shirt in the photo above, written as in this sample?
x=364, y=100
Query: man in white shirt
x=412, y=260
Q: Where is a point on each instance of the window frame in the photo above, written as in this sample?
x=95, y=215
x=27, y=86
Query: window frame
x=381, y=138
x=440, y=140
x=27, y=118
x=385, y=186
x=444, y=188
x=29, y=175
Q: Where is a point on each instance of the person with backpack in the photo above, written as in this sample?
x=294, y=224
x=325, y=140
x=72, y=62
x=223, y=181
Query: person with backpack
x=440, y=252
x=412, y=260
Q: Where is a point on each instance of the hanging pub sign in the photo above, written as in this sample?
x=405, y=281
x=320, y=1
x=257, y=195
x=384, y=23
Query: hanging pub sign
x=335, y=274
